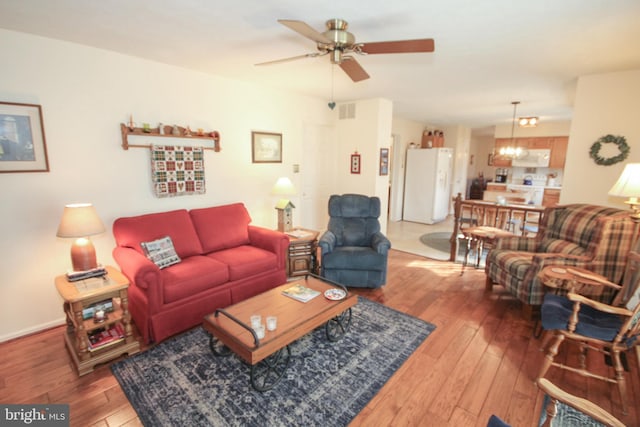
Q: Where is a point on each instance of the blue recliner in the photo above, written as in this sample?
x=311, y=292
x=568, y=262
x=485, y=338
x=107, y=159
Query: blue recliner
x=353, y=250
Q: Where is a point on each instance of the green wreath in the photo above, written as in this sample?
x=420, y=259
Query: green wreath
x=620, y=141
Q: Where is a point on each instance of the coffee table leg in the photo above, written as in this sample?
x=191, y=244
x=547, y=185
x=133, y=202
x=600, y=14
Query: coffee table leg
x=217, y=347
x=268, y=372
x=338, y=326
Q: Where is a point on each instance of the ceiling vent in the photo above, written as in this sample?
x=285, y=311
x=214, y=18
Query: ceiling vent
x=347, y=111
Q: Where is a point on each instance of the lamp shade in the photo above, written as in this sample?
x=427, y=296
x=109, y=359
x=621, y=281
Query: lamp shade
x=80, y=220
x=628, y=185
x=283, y=187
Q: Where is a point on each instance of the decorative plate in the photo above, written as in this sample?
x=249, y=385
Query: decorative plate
x=335, y=294
x=559, y=270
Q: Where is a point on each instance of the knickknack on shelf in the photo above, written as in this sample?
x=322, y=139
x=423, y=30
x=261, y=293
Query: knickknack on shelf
x=166, y=131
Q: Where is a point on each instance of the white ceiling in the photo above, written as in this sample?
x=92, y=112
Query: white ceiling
x=487, y=52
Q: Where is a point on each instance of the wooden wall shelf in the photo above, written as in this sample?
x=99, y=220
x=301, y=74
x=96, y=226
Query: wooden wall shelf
x=168, y=133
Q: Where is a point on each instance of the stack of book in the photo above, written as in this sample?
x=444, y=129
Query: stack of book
x=103, y=336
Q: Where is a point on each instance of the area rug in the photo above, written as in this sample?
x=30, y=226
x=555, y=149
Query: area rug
x=438, y=241
x=180, y=382
x=567, y=416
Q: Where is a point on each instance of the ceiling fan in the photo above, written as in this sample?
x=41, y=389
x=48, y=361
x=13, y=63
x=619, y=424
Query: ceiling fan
x=341, y=45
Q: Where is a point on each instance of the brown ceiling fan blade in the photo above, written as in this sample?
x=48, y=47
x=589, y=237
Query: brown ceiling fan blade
x=304, y=29
x=400, y=46
x=293, y=58
x=353, y=69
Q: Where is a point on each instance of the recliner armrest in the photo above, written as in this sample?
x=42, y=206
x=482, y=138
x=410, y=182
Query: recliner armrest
x=380, y=243
x=327, y=242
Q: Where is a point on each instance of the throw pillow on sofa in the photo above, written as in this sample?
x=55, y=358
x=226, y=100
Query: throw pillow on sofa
x=161, y=252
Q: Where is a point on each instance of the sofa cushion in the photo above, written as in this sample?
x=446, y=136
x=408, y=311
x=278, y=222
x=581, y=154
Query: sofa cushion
x=192, y=276
x=245, y=261
x=221, y=227
x=161, y=252
x=131, y=231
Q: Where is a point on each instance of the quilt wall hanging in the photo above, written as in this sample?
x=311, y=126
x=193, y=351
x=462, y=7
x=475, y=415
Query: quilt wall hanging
x=177, y=171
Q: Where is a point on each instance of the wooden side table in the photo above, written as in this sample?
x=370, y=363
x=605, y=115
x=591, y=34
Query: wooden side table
x=481, y=236
x=301, y=257
x=575, y=279
x=82, y=294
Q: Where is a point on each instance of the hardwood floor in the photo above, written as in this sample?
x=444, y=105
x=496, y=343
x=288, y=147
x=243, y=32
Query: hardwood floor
x=482, y=359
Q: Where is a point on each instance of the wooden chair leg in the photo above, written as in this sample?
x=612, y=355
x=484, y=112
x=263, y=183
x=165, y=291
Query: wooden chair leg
x=552, y=411
x=620, y=379
x=551, y=354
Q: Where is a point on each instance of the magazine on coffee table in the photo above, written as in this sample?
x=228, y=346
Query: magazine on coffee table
x=300, y=292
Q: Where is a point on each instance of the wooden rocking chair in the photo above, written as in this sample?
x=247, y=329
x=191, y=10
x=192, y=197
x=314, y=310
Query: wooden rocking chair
x=609, y=329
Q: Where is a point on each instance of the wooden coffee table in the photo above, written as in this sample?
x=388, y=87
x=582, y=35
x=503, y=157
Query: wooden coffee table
x=269, y=357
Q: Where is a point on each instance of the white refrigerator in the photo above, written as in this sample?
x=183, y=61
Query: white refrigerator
x=427, y=184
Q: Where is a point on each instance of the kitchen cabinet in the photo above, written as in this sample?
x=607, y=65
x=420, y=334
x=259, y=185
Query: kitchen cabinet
x=550, y=198
x=558, y=152
x=499, y=161
x=557, y=145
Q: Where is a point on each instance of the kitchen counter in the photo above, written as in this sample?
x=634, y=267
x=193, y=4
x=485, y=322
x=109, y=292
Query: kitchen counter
x=505, y=184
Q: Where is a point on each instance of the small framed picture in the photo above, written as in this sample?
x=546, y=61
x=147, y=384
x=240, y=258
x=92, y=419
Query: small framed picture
x=266, y=147
x=355, y=163
x=22, y=143
x=384, y=161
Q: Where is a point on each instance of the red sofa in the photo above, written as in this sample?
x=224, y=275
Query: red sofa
x=224, y=260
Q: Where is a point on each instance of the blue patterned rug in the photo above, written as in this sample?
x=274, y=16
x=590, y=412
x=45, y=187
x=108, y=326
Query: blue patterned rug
x=181, y=383
x=567, y=416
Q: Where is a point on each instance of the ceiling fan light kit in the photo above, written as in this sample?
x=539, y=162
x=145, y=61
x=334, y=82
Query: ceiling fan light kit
x=340, y=44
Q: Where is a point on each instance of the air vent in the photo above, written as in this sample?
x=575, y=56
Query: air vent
x=347, y=111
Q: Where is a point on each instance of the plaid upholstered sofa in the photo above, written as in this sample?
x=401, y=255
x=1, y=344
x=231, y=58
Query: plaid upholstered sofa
x=593, y=237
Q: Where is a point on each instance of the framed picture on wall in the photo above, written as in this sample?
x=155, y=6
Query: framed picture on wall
x=384, y=161
x=266, y=147
x=355, y=163
x=22, y=143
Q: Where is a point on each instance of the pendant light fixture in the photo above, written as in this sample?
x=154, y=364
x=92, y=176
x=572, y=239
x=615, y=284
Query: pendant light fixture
x=513, y=151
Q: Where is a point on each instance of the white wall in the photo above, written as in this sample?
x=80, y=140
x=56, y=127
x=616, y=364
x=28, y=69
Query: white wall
x=85, y=94
x=605, y=104
x=365, y=134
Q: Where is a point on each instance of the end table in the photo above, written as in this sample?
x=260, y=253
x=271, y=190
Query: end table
x=301, y=257
x=83, y=294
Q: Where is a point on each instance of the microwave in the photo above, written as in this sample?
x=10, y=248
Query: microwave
x=533, y=159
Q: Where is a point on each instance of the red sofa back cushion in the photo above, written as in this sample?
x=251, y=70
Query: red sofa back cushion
x=222, y=227
x=130, y=231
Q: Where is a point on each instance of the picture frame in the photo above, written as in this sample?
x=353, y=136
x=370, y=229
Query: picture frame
x=23, y=146
x=266, y=147
x=384, y=161
x=355, y=163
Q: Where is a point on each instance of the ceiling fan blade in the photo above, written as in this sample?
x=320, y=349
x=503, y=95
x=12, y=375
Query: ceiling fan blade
x=305, y=30
x=353, y=69
x=400, y=46
x=293, y=58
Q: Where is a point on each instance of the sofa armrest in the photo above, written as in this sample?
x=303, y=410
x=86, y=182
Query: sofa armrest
x=327, y=242
x=140, y=271
x=380, y=243
x=270, y=240
x=524, y=244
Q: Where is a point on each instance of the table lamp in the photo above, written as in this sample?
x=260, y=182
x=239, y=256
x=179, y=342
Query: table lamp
x=628, y=185
x=80, y=221
x=284, y=187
